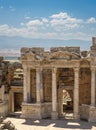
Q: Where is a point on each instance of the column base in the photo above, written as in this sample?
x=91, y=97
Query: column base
x=54, y=115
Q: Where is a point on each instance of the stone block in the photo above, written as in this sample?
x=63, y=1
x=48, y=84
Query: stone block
x=88, y=112
x=54, y=115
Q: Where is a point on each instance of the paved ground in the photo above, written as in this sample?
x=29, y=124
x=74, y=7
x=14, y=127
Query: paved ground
x=48, y=124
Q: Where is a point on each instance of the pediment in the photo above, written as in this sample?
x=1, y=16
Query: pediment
x=29, y=56
x=60, y=55
x=75, y=56
x=64, y=55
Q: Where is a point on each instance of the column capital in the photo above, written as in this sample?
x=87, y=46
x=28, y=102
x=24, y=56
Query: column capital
x=93, y=68
x=54, y=70
x=39, y=69
x=76, y=69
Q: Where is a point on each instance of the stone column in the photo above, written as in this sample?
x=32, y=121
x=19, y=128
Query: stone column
x=12, y=101
x=28, y=86
x=38, y=85
x=41, y=85
x=76, y=93
x=93, y=86
x=2, y=92
x=25, y=84
x=54, y=114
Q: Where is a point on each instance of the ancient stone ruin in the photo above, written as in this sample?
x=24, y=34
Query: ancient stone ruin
x=59, y=81
x=50, y=84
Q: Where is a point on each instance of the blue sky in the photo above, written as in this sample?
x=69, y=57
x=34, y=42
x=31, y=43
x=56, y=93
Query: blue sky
x=48, y=19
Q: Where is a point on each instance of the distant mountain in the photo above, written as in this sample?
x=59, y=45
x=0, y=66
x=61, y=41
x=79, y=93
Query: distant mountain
x=18, y=42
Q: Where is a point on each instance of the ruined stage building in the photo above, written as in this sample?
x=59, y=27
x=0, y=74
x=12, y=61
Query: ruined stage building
x=59, y=81
x=50, y=84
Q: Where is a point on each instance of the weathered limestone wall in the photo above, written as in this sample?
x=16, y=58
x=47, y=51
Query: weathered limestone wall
x=69, y=49
x=46, y=109
x=47, y=85
x=4, y=108
x=93, y=48
x=4, y=87
x=84, y=86
x=36, y=111
x=65, y=77
x=88, y=113
x=31, y=110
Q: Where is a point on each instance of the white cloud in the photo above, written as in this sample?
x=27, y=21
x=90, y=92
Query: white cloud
x=34, y=23
x=4, y=27
x=45, y=20
x=27, y=17
x=63, y=21
x=22, y=24
x=57, y=26
x=91, y=20
x=61, y=15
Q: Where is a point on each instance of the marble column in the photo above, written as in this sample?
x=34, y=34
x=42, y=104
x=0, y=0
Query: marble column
x=25, y=84
x=39, y=85
x=54, y=113
x=93, y=86
x=76, y=93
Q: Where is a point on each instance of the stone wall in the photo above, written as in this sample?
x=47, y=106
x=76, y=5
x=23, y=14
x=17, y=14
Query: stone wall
x=4, y=108
x=46, y=110
x=31, y=111
x=93, y=48
x=47, y=85
x=84, y=86
x=36, y=111
x=68, y=49
x=33, y=85
x=88, y=113
x=65, y=77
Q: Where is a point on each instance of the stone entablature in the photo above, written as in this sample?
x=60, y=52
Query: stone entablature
x=66, y=53
x=50, y=59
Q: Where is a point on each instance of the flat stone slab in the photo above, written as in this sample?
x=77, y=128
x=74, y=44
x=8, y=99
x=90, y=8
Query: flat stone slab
x=48, y=124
